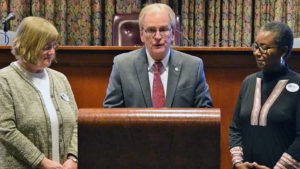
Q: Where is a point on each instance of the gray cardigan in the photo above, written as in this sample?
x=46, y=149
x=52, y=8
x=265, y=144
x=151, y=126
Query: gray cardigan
x=25, y=132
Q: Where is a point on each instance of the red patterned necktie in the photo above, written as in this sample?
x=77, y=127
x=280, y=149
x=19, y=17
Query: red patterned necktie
x=158, y=94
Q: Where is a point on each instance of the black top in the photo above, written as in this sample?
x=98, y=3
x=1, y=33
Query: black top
x=264, y=143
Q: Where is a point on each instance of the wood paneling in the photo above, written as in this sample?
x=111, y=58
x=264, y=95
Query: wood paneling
x=88, y=70
x=175, y=138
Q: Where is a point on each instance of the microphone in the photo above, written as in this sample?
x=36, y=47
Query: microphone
x=11, y=16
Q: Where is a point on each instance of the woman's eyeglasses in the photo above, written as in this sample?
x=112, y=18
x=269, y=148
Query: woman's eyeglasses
x=263, y=49
x=50, y=46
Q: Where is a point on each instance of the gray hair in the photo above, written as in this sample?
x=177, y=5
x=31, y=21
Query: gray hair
x=160, y=6
x=284, y=35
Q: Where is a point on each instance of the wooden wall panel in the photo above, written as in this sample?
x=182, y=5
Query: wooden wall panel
x=88, y=70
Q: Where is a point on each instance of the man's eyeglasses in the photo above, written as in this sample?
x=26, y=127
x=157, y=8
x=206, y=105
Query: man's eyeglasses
x=50, y=46
x=163, y=31
x=263, y=49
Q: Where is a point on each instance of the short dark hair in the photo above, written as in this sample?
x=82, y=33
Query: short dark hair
x=284, y=35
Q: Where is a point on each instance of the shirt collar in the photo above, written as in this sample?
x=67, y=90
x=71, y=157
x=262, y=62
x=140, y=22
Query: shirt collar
x=274, y=75
x=28, y=74
x=151, y=61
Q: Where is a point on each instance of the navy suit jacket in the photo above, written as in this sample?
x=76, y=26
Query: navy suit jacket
x=129, y=82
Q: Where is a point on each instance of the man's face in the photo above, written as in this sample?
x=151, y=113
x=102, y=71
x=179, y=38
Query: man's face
x=157, y=33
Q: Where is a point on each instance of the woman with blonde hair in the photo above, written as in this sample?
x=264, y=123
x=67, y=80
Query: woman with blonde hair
x=38, y=113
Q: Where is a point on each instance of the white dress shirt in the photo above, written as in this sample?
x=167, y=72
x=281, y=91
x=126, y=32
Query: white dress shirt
x=163, y=73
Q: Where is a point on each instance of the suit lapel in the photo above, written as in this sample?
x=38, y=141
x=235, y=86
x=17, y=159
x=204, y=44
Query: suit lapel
x=141, y=66
x=173, y=77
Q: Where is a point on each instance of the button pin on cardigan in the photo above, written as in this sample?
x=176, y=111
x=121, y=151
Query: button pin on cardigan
x=64, y=97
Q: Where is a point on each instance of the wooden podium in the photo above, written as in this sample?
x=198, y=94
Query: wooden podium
x=143, y=138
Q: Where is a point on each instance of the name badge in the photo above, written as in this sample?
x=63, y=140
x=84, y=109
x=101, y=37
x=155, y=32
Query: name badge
x=64, y=97
x=292, y=87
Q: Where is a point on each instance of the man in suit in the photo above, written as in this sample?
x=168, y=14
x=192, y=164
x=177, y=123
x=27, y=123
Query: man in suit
x=156, y=75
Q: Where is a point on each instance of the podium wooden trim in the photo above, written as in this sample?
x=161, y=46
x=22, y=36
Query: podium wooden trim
x=132, y=138
x=149, y=115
